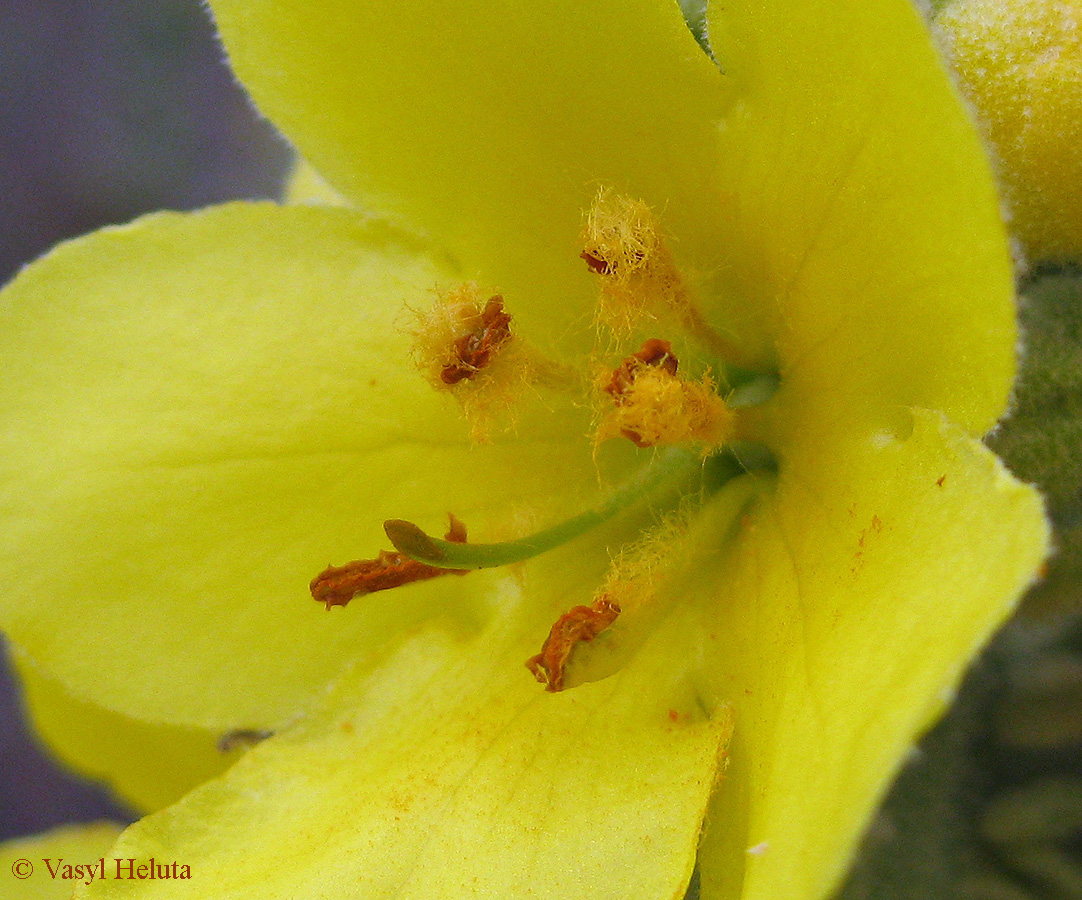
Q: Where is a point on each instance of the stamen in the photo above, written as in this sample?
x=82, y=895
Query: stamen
x=464, y=345
x=654, y=352
x=411, y=541
x=460, y=335
x=653, y=405
x=640, y=281
x=622, y=244
x=337, y=585
x=582, y=623
x=473, y=351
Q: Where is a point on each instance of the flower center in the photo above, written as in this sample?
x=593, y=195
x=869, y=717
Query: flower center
x=466, y=345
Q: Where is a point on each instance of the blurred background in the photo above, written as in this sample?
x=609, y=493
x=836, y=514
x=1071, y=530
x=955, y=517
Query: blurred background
x=113, y=108
x=108, y=109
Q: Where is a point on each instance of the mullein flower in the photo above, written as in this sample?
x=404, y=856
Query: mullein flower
x=695, y=351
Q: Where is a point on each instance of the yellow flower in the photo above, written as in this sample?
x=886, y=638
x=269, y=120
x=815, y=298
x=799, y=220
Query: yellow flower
x=201, y=411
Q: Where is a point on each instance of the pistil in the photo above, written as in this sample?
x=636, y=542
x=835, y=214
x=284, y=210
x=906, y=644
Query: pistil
x=671, y=466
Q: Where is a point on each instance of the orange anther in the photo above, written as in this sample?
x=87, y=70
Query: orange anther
x=474, y=351
x=655, y=352
x=337, y=585
x=582, y=623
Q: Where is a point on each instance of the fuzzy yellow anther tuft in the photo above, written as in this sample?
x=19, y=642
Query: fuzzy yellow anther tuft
x=460, y=336
x=464, y=345
x=641, y=286
x=663, y=409
x=636, y=571
x=622, y=243
x=653, y=405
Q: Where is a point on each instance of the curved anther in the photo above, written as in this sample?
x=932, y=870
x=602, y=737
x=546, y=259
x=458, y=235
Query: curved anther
x=582, y=623
x=337, y=585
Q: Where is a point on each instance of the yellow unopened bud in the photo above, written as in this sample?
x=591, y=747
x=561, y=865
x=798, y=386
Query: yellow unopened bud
x=1020, y=64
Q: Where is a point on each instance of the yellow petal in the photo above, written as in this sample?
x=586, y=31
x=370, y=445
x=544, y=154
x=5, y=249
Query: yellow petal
x=452, y=774
x=306, y=185
x=844, y=615
x=146, y=766
x=1020, y=64
x=863, y=224
x=491, y=126
x=201, y=412
x=75, y=844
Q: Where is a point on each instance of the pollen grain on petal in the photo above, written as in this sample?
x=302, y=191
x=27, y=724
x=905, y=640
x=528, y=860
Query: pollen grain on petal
x=337, y=585
x=579, y=624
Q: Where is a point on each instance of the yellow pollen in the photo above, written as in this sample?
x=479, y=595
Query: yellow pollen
x=653, y=405
x=635, y=572
x=641, y=285
x=464, y=345
x=622, y=243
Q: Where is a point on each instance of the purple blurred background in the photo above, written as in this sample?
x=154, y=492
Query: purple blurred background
x=108, y=109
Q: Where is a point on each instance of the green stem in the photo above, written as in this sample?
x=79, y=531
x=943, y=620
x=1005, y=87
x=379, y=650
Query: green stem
x=414, y=543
